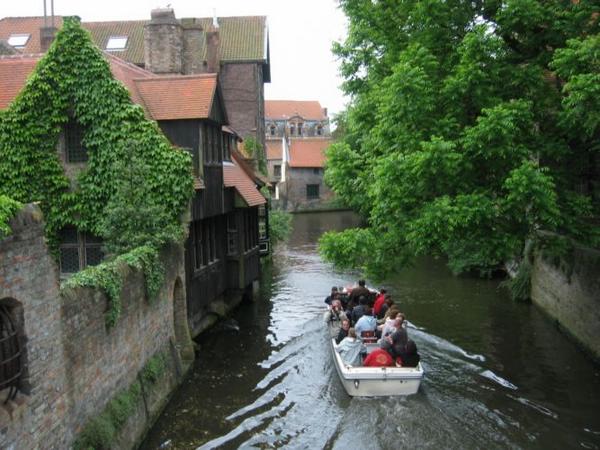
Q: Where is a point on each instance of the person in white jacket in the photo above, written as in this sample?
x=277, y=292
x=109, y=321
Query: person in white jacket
x=350, y=349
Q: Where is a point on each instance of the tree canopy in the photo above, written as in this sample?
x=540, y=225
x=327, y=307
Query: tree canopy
x=472, y=127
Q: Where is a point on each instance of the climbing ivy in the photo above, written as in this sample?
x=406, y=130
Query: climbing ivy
x=8, y=209
x=73, y=81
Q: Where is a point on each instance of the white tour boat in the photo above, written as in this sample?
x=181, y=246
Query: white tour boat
x=374, y=381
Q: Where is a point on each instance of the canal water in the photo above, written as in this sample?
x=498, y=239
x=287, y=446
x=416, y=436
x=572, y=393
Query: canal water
x=498, y=373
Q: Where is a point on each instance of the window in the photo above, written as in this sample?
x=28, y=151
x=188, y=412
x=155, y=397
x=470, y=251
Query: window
x=75, y=151
x=292, y=130
x=316, y=171
x=232, y=235
x=262, y=222
x=299, y=129
x=272, y=129
x=12, y=348
x=250, y=229
x=78, y=250
x=18, y=40
x=227, y=144
x=277, y=170
x=312, y=191
x=196, y=234
x=116, y=43
x=319, y=130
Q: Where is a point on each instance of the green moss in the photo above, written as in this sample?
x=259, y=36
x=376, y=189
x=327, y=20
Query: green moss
x=101, y=431
x=154, y=368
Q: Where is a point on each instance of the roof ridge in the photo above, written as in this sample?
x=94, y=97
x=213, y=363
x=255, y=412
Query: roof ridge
x=178, y=77
x=129, y=65
x=23, y=56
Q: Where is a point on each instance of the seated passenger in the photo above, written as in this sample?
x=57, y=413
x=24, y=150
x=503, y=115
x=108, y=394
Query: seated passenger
x=330, y=297
x=387, y=304
x=397, y=341
x=350, y=349
x=335, y=312
x=409, y=357
x=343, y=331
x=366, y=323
x=378, y=358
x=389, y=321
x=379, y=300
x=359, y=310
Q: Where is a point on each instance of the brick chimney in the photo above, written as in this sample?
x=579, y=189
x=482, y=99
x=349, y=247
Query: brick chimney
x=163, y=42
x=46, y=37
x=192, y=46
x=213, y=59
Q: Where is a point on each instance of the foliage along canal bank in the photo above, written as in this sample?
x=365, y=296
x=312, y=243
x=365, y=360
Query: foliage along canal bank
x=473, y=126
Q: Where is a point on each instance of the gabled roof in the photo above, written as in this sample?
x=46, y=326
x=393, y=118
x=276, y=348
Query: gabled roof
x=234, y=176
x=241, y=38
x=284, y=109
x=178, y=97
x=308, y=152
x=163, y=98
x=274, y=149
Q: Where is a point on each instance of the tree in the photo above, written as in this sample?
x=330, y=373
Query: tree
x=472, y=126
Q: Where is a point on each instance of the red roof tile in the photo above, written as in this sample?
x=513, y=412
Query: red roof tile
x=178, y=97
x=14, y=71
x=234, y=176
x=284, y=109
x=274, y=149
x=308, y=152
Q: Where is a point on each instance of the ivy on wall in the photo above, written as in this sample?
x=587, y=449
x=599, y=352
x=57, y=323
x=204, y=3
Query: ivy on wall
x=8, y=209
x=73, y=81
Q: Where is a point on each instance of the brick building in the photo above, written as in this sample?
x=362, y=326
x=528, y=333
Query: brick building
x=297, y=134
x=235, y=47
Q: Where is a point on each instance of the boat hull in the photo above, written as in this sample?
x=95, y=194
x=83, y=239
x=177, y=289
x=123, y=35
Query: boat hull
x=377, y=381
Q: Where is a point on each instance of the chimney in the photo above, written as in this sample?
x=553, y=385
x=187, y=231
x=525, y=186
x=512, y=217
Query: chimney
x=163, y=42
x=213, y=60
x=192, y=46
x=325, y=112
x=48, y=31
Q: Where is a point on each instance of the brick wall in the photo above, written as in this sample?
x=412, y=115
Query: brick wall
x=571, y=295
x=297, y=179
x=75, y=364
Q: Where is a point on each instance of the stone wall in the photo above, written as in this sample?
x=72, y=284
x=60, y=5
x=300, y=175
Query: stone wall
x=75, y=365
x=570, y=294
x=295, y=192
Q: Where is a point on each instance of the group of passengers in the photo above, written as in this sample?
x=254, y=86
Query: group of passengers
x=365, y=318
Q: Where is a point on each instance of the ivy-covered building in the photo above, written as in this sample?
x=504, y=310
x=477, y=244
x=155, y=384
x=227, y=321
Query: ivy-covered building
x=84, y=121
x=235, y=47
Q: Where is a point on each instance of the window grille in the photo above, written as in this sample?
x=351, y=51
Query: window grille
x=78, y=250
x=312, y=191
x=10, y=353
x=76, y=152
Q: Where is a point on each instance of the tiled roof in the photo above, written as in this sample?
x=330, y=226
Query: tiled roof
x=234, y=176
x=14, y=71
x=308, y=152
x=274, y=149
x=284, y=109
x=242, y=38
x=178, y=97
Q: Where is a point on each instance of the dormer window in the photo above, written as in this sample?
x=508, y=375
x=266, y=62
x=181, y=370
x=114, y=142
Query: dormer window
x=18, y=40
x=116, y=43
x=74, y=149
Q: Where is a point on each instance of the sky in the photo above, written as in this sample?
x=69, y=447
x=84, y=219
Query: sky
x=300, y=33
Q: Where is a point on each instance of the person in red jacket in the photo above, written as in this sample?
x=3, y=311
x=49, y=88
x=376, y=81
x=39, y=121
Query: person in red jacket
x=379, y=301
x=378, y=358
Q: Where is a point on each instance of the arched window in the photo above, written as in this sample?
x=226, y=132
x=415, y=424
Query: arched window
x=11, y=352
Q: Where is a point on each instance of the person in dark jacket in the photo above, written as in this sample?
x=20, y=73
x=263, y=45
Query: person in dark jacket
x=359, y=291
x=409, y=357
x=332, y=296
x=358, y=311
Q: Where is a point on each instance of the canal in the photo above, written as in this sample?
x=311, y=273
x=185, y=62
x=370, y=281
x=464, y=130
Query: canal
x=498, y=373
